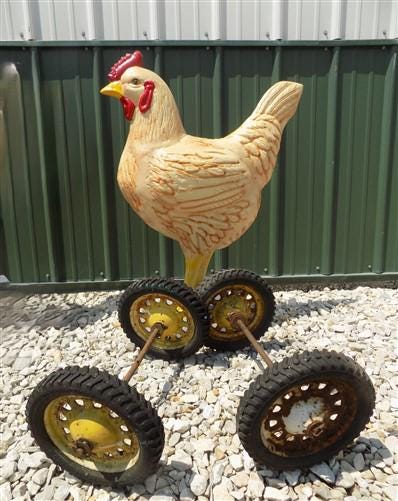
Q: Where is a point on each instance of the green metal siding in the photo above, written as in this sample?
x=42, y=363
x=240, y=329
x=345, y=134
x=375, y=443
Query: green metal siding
x=330, y=209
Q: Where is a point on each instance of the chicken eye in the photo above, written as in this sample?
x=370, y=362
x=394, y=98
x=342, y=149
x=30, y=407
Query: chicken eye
x=135, y=81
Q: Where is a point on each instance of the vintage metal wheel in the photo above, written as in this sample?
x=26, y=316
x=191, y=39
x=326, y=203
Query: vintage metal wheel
x=91, y=434
x=95, y=426
x=236, y=290
x=177, y=307
x=305, y=409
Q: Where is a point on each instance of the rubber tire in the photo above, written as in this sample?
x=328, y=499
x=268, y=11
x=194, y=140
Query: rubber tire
x=182, y=293
x=213, y=282
x=291, y=371
x=121, y=398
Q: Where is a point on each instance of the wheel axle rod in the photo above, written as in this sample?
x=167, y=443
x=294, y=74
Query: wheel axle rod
x=156, y=329
x=237, y=319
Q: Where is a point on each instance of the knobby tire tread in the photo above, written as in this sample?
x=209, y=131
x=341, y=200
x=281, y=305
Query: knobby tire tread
x=285, y=374
x=116, y=394
x=220, y=279
x=186, y=295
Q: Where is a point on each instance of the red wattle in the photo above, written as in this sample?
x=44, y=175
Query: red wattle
x=128, y=107
x=146, y=98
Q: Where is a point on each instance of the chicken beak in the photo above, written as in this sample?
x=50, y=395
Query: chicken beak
x=114, y=89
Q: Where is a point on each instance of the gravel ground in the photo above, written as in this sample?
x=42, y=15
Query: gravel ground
x=198, y=398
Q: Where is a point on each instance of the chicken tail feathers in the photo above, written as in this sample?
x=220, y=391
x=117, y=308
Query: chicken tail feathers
x=280, y=101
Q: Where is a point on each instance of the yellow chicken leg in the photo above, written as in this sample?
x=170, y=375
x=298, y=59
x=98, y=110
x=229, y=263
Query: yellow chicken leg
x=196, y=268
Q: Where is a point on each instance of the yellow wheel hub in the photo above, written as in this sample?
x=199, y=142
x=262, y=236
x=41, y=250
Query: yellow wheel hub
x=92, y=431
x=91, y=434
x=236, y=297
x=152, y=308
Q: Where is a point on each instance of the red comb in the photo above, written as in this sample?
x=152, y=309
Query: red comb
x=127, y=61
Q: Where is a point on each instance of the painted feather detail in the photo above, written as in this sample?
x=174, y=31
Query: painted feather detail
x=200, y=197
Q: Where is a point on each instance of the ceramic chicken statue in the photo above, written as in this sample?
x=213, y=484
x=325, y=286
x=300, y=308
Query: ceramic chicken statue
x=204, y=193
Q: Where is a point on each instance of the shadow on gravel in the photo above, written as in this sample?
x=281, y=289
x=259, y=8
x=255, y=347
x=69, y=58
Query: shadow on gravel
x=374, y=450
x=163, y=485
x=296, y=309
x=16, y=311
x=69, y=315
x=222, y=358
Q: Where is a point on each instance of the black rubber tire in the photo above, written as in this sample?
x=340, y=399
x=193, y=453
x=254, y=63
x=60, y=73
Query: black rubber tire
x=212, y=283
x=117, y=395
x=175, y=290
x=299, y=369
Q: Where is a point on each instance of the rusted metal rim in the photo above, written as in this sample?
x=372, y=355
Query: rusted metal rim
x=91, y=434
x=231, y=298
x=153, y=308
x=309, y=417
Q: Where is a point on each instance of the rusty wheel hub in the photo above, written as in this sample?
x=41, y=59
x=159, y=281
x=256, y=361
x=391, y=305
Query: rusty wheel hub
x=83, y=448
x=234, y=298
x=308, y=417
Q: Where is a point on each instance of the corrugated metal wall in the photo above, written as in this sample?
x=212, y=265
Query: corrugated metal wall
x=198, y=19
x=331, y=207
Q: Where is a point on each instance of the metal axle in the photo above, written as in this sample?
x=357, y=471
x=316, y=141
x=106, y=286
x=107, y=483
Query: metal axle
x=237, y=320
x=156, y=329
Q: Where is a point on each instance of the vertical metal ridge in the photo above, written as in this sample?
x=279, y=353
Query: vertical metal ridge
x=83, y=166
x=338, y=19
x=379, y=250
x=43, y=167
x=72, y=21
x=328, y=226
x=99, y=136
x=218, y=19
x=255, y=256
x=7, y=20
x=292, y=222
x=365, y=178
x=198, y=99
x=128, y=217
x=310, y=178
x=277, y=20
x=145, y=248
x=7, y=201
x=237, y=104
x=177, y=10
x=217, y=92
x=26, y=181
x=64, y=169
x=349, y=171
x=91, y=25
x=275, y=235
x=134, y=8
x=220, y=256
x=165, y=244
x=154, y=20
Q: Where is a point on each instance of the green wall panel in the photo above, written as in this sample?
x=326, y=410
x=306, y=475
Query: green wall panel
x=330, y=209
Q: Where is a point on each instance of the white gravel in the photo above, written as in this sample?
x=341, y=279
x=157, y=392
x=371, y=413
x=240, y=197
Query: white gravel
x=197, y=398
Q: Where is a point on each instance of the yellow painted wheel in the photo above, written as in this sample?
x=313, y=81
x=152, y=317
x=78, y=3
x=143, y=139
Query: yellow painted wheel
x=95, y=426
x=91, y=434
x=236, y=291
x=176, y=306
x=152, y=308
